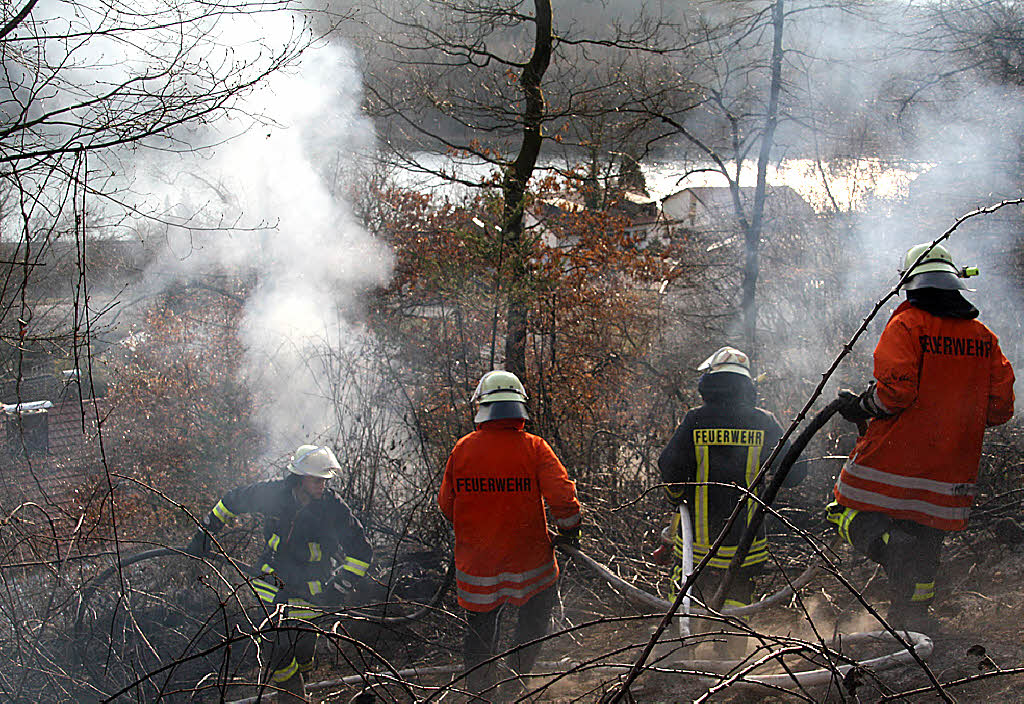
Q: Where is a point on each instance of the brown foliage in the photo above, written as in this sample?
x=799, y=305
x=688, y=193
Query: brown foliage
x=591, y=283
x=180, y=416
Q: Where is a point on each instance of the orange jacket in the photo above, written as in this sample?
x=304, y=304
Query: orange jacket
x=945, y=379
x=492, y=491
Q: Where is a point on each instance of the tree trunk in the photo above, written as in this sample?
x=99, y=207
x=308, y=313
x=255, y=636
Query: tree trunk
x=753, y=240
x=752, y=235
x=514, y=184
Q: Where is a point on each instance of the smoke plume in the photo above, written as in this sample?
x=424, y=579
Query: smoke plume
x=264, y=202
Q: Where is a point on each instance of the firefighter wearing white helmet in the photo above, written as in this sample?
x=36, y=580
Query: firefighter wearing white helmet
x=931, y=266
x=727, y=359
x=499, y=394
x=496, y=483
x=314, y=461
x=709, y=464
x=307, y=526
x=940, y=379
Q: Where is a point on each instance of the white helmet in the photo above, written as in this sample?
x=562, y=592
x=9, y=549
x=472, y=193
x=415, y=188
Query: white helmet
x=314, y=461
x=499, y=394
x=934, y=270
x=499, y=385
x=726, y=359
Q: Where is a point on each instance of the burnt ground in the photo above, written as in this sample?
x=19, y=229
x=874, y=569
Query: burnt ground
x=978, y=652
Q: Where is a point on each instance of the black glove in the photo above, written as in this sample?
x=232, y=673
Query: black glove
x=201, y=542
x=568, y=536
x=850, y=409
x=199, y=545
x=860, y=409
x=339, y=588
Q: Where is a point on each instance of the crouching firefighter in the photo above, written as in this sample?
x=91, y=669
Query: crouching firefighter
x=939, y=379
x=305, y=525
x=710, y=463
x=496, y=482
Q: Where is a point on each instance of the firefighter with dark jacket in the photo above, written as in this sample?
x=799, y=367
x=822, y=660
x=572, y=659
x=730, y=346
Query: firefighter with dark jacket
x=709, y=464
x=940, y=379
x=305, y=525
x=496, y=482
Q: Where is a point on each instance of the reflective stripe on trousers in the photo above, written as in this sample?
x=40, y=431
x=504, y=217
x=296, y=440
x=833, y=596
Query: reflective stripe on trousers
x=285, y=673
x=294, y=607
x=923, y=591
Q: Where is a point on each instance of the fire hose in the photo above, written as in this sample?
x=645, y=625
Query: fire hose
x=920, y=643
x=768, y=497
x=914, y=646
x=249, y=571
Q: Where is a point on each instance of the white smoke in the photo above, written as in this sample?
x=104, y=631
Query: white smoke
x=961, y=131
x=261, y=203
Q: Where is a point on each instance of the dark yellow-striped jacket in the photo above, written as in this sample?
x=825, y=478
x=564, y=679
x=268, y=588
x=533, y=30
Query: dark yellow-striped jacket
x=299, y=541
x=713, y=455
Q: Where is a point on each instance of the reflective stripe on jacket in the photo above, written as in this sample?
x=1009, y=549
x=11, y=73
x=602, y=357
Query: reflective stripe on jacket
x=300, y=540
x=944, y=379
x=494, y=488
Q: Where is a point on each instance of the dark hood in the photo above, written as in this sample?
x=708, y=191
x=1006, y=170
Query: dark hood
x=727, y=388
x=943, y=303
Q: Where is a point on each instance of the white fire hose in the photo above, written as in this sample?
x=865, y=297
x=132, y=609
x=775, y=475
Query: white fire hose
x=918, y=642
x=644, y=598
x=686, y=533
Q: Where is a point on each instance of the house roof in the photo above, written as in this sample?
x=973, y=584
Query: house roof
x=63, y=476
x=781, y=201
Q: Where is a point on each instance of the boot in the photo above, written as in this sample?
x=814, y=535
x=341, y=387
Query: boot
x=513, y=687
x=511, y=691
x=291, y=691
x=480, y=682
x=912, y=617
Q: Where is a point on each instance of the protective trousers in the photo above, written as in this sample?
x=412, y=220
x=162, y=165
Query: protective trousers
x=908, y=552
x=728, y=643
x=288, y=652
x=483, y=631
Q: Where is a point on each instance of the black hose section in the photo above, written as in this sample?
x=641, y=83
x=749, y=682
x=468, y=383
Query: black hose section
x=446, y=584
x=90, y=589
x=95, y=582
x=768, y=496
x=798, y=445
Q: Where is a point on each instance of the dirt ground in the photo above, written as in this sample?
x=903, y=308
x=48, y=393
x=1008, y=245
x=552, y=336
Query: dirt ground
x=978, y=652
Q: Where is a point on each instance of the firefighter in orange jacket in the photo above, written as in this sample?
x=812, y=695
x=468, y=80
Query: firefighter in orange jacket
x=940, y=379
x=495, y=484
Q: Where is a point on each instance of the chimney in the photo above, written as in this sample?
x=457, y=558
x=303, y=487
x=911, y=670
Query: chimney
x=28, y=428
